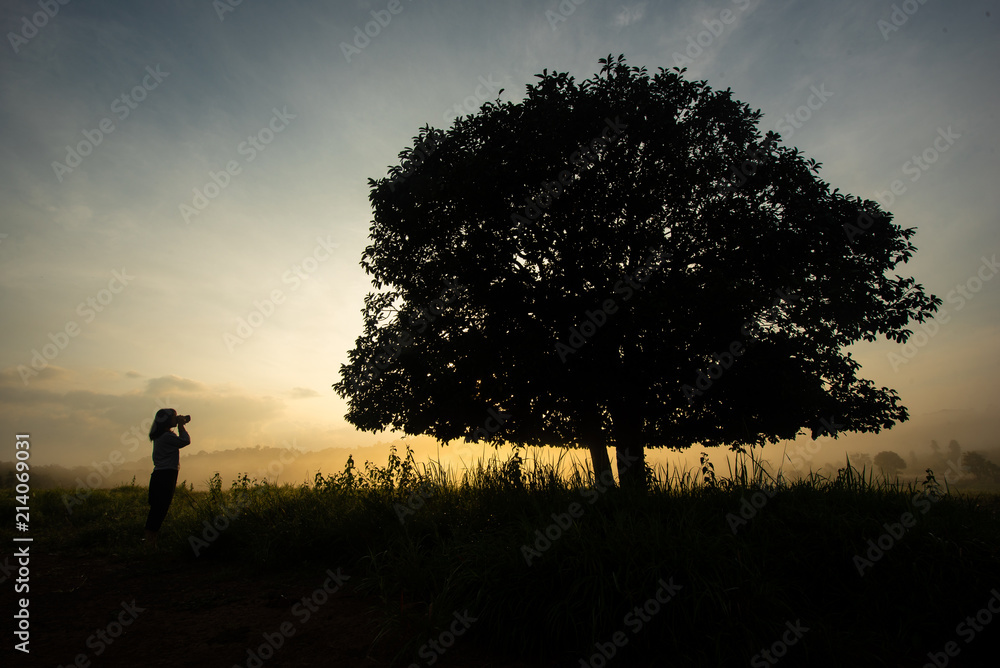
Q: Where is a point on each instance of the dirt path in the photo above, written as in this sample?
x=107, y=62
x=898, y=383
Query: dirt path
x=155, y=612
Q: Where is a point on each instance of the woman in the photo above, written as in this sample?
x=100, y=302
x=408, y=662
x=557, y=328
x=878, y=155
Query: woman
x=166, y=461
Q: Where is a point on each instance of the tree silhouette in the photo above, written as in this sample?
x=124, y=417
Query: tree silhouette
x=861, y=461
x=954, y=451
x=890, y=463
x=632, y=265
x=980, y=467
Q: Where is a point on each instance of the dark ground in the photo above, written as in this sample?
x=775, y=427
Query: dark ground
x=201, y=613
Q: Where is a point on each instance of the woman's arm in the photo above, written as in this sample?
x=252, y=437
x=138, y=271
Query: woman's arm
x=183, y=437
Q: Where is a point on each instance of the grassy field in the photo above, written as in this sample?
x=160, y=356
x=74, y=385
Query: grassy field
x=516, y=560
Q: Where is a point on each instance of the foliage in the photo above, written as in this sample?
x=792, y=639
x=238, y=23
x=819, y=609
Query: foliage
x=889, y=462
x=623, y=261
x=980, y=467
x=861, y=460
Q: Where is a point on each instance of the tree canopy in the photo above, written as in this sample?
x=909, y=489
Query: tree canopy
x=890, y=462
x=625, y=261
x=981, y=468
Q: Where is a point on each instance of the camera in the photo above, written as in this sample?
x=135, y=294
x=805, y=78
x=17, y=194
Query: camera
x=183, y=419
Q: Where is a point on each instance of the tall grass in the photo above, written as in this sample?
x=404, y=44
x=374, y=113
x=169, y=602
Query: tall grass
x=428, y=542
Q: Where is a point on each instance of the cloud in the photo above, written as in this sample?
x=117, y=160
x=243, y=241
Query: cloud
x=167, y=384
x=76, y=426
x=303, y=393
x=630, y=14
x=73, y=217
x=11, y=377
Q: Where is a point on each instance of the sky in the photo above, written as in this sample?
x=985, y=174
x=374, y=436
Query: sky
x=184, y=188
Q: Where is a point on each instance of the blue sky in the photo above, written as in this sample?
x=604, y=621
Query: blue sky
x=274, y=111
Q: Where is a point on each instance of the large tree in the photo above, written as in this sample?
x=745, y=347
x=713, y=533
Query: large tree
x=631, y=264
x=980, y=467
x=889, y=462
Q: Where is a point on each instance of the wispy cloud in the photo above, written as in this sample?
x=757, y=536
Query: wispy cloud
x=629, y=14
x=302, y=393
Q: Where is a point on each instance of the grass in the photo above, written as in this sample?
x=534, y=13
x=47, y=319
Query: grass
x=553, y=565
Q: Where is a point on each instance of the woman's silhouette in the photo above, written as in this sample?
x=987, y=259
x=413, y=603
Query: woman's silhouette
x=166, y=461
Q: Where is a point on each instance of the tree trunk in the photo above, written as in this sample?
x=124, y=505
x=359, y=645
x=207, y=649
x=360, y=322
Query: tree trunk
x=600, y=459
x=593, y=438
x=630, y=448
x=631, y=464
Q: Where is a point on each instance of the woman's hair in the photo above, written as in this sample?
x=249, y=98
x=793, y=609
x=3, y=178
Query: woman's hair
x=161, y=422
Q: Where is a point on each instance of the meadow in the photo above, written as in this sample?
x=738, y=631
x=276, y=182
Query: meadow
x=519, y=558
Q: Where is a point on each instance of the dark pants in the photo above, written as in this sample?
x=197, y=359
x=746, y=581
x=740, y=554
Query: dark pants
x=161, y=493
